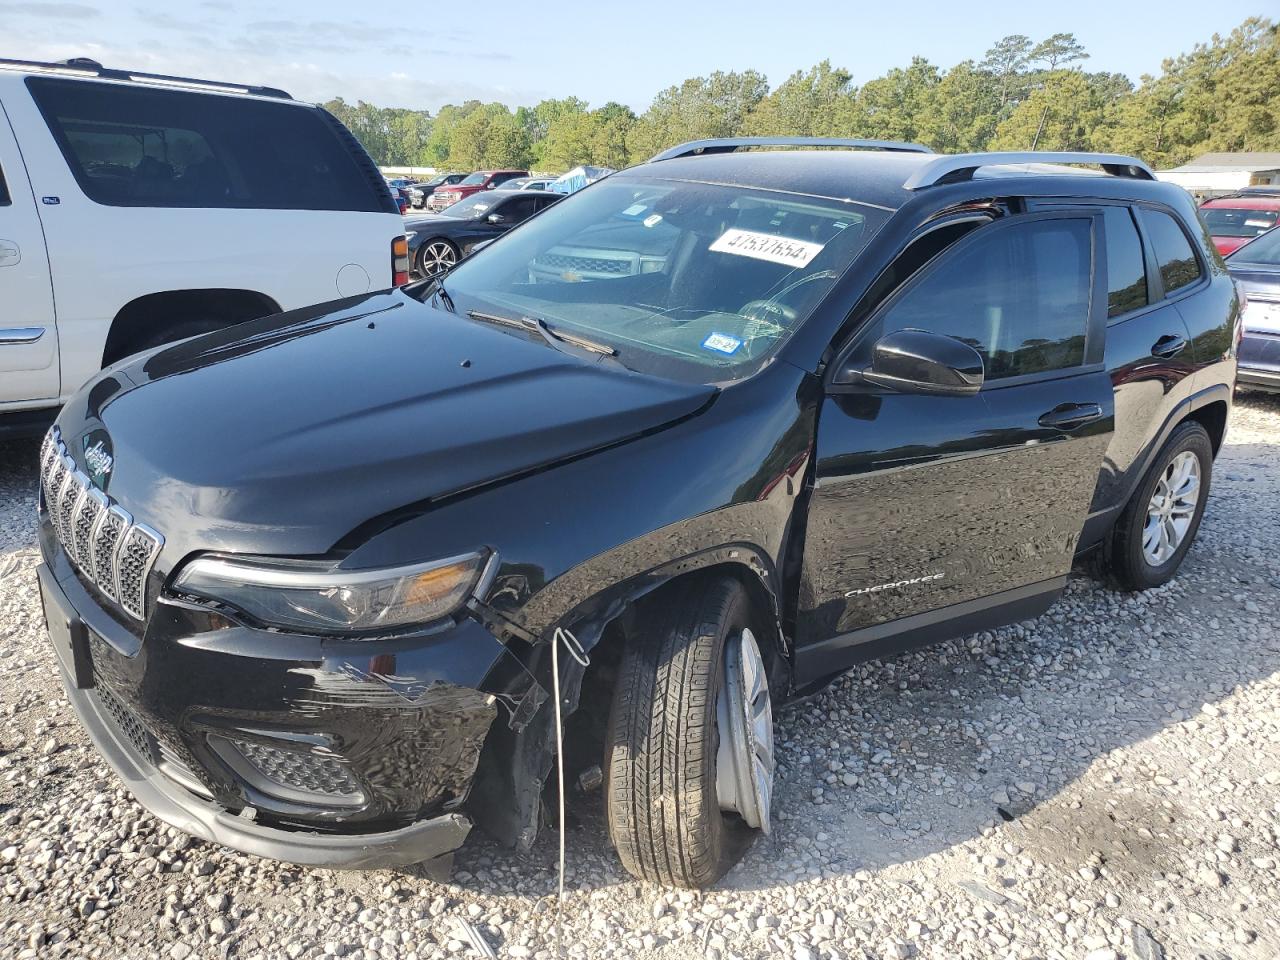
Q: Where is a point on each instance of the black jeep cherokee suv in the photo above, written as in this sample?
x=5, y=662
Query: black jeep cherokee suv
x=777, y=411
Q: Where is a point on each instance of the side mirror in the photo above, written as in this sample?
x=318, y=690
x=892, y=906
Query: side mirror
x=490, y=186
x=496, y=218
x=916, y=361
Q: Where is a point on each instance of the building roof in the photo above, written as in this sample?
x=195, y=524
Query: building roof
x=1247, y=161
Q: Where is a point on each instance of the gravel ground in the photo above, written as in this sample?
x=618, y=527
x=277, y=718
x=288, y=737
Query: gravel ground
x=1100, y=783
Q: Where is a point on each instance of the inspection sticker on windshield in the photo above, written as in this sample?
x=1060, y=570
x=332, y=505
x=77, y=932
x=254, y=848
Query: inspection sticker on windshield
x=721, y=343
x=766, y=246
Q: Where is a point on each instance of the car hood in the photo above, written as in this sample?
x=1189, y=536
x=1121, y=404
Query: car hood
x=286, y=434
x=425, y=223
x=1227, y=245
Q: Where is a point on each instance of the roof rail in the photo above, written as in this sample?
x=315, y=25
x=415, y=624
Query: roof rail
x=730, y=144
x=953, y=168
x=83, y=66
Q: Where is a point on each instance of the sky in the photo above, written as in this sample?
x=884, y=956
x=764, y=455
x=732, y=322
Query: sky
x=503, y=50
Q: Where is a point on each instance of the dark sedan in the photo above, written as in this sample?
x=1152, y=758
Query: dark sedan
x=438, y=241
x=1256, y=268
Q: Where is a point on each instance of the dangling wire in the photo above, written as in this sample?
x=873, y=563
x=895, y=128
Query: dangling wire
x=575, y=650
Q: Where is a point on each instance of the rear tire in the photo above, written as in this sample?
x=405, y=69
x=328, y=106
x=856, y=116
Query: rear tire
x=1131, y=557
x=437, y=255
x=661, y=799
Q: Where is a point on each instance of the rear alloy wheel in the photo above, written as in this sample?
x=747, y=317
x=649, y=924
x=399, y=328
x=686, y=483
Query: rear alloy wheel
x=1159, y=523
x=436, y=256
x=689, y=752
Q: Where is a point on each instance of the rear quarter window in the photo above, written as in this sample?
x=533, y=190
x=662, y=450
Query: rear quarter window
x=4, y=191
x=1176, y=259
x=1126, y=271
x=135, y=146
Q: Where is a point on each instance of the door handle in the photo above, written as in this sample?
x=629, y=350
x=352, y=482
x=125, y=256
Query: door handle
x=1069, y=416
x=9, y=253
x=1170, y=345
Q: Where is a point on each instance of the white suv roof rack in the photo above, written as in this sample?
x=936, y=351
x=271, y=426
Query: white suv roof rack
x=730, y=144
x=83, y=66
x=953, y=168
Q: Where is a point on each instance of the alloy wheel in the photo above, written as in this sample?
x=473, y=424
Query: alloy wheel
x=744, y=721
x=1172, y=508
x=437, y=257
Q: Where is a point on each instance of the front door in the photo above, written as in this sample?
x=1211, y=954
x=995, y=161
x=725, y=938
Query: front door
x=930, y=510
x=28, y=338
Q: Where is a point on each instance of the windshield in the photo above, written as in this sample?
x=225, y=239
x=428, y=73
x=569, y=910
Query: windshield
x=1233, y=222
x=688, y=280
x=1266, y=249
x=474, y=179
x=472, y=207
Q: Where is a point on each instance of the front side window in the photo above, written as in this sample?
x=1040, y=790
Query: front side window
x=689, y=280
x=1018, y=294
x=517, y=209
x=1126, y=270
x=1177, y=261
x=131, y=145
x=1229, y=222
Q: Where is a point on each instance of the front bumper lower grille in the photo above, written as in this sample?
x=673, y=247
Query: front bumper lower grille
x=174, y=764
x=110, y=549
x=292, y=775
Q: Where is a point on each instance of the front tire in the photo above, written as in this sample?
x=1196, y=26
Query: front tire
x=668, y=820
x=1160, y=521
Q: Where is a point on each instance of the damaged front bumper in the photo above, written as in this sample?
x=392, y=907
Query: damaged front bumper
x=318, y=751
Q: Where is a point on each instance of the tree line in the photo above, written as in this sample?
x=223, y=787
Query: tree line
x=1223, y=95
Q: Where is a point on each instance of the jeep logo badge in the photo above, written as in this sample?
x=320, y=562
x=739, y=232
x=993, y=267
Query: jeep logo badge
x=98, y=459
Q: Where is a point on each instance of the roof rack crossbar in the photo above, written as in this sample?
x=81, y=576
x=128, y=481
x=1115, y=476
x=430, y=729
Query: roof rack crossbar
x=730, y=144
x=954, y=168
x=83, y=65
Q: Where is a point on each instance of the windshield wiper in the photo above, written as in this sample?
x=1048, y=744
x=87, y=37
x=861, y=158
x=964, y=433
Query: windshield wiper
x=552, y=335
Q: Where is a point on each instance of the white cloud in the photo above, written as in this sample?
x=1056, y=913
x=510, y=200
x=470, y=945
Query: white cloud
x=423, y=82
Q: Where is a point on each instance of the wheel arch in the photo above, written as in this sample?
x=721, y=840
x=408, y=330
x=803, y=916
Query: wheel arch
x=515, y=764
x=143, y=316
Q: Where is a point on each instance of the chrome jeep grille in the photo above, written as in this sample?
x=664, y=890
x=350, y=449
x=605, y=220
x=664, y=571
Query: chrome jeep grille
x=110, y=550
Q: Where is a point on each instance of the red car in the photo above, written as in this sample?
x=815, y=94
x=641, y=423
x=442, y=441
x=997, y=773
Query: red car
x=1236, y=219
x=472, y=183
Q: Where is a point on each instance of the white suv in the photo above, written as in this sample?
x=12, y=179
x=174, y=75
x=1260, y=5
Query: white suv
x=137, y=209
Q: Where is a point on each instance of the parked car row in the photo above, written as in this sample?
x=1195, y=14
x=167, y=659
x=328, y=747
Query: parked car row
x=447, y=188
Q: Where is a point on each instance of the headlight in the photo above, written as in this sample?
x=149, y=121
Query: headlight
x=315, y=597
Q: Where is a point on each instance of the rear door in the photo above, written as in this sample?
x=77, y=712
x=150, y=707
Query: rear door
x=28, y=337
x=928, y=510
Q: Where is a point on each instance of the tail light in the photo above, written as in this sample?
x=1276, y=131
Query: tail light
x=399, y=261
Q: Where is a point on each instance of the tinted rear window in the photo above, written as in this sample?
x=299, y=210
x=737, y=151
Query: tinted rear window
x=1178, y=265
x=1126, y=273
x=135, y=146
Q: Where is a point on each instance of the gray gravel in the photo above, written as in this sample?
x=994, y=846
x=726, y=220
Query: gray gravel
x=1100, y=783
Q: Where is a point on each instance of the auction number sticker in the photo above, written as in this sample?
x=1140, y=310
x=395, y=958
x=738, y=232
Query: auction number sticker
x=767, y=246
